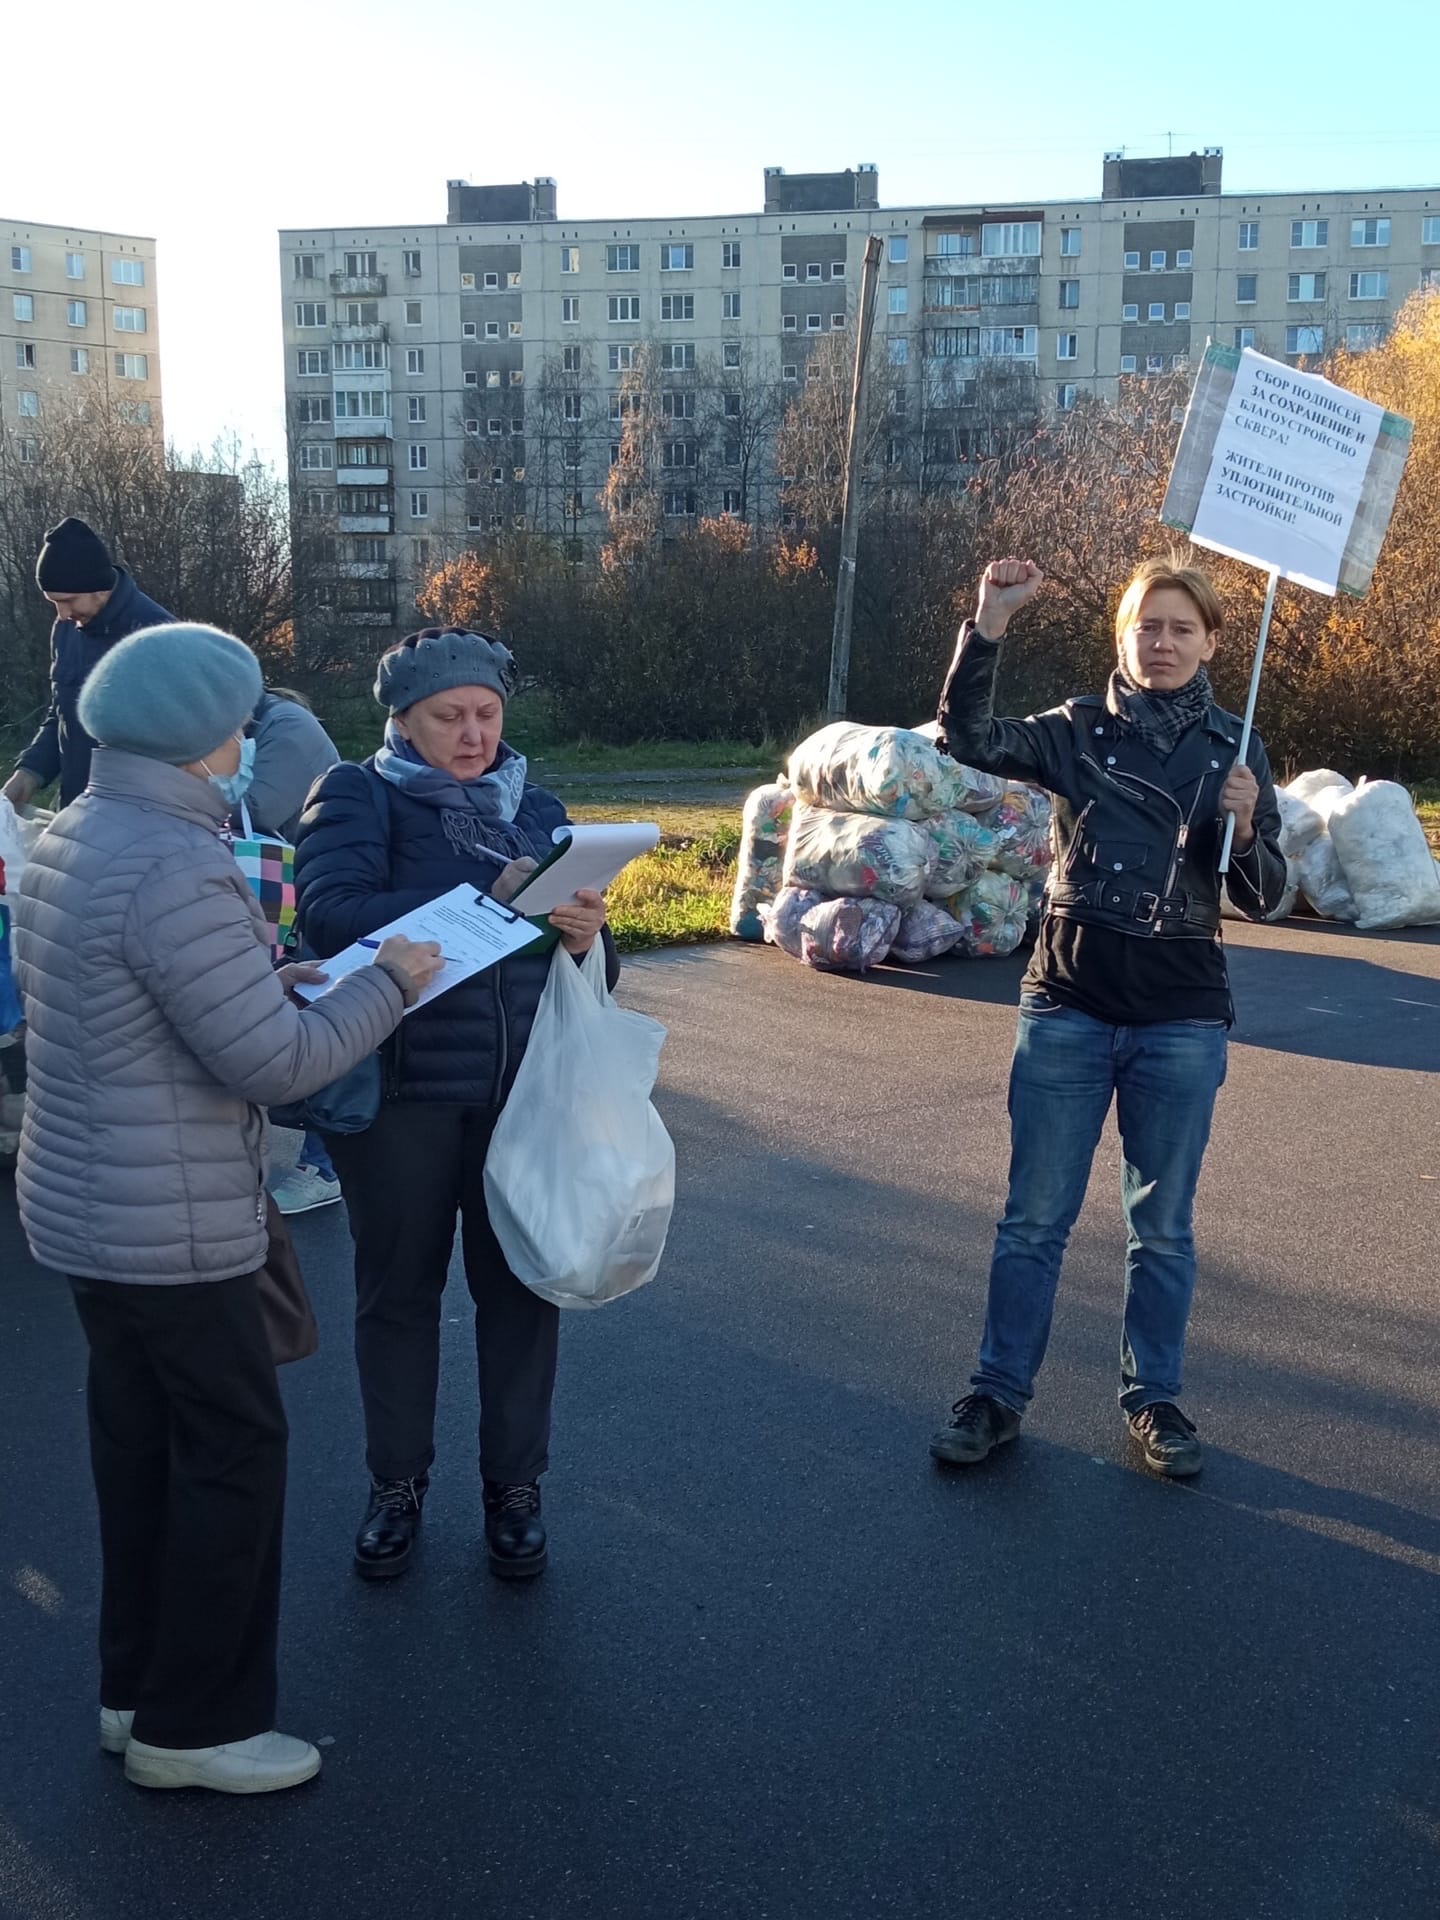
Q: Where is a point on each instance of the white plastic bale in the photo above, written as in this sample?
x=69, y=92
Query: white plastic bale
x=890, y=771
x=782, y=916
x=1385, y=857
x=982, y=790
x=1323, y=883
x=848, y=936
x=992, y=915
x=858, y=855
x=1021, y=825
x=760, y=872
x=1287, y=899
x=925, y=932
x=1305, y=807
x=963, y=847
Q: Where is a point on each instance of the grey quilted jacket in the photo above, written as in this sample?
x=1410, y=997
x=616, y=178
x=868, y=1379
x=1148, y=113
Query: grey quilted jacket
x=157, y=1033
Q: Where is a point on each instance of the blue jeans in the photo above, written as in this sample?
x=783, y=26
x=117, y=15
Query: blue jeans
x=313, y=1154
x=1066, y=1068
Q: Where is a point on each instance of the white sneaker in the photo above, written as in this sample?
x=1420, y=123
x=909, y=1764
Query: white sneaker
x=262, y=1764
x=303, y=1189
x=115, y=1728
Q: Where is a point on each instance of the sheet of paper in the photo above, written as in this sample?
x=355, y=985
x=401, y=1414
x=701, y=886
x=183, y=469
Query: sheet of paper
x=593, y=857
x=473, y=932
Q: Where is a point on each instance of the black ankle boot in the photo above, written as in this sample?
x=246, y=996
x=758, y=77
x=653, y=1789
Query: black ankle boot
x=514, y=1531
x=387, y=1533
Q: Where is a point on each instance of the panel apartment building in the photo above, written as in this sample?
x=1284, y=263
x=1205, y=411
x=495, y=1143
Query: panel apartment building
x=77, y=321
x=447, y=383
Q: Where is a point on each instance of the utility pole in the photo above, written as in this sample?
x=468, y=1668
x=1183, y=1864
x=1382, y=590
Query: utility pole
x=850, y=513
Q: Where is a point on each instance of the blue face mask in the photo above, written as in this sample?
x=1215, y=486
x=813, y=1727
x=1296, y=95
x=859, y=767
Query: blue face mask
x=233, y=787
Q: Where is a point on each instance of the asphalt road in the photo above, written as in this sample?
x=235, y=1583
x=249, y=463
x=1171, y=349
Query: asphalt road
x=781, y=1668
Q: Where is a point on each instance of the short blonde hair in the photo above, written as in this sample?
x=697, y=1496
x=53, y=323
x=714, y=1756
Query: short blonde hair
x=1151, y=574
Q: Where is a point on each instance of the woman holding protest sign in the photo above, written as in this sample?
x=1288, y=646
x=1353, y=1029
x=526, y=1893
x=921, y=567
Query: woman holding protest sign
x=1126, y=997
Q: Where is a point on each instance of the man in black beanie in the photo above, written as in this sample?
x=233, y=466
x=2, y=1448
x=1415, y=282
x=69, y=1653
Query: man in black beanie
x=96, y=603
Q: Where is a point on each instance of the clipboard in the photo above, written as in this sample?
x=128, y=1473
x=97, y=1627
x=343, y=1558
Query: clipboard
x=636, y=838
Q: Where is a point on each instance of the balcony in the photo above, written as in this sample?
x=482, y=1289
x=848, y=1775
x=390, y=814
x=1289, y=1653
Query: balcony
x=361, y=476
x=367, y=616
x=371, y=330
x=364, y=429
x=358, y=285
x=365, y=570
x=365, y=522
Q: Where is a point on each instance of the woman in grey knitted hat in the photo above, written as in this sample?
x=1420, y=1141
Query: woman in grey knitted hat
x=159, y=1033
x=444, y=801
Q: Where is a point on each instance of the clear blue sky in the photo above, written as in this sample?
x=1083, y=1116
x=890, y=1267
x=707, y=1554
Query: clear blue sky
x=284, y=115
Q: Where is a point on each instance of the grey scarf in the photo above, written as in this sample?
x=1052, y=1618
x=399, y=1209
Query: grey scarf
x=1158, y=718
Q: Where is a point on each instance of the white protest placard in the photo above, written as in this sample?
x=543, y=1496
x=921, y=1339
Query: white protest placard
x=1283, y=469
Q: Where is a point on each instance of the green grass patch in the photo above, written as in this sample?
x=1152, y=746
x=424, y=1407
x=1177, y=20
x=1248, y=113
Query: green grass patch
x=681, y=892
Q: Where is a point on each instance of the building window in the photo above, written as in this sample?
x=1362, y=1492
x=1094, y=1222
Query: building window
x=517, y=379
x=570, y=359
x=1000, y=239
x=951, y=245
x=1184, y=257
x=419, y=459
x=730, y=306
x=624, y=306
x=790, y=271
x=362, y=313
x=316, y=459
x=1244, y=337
x=127, y=272
x=1127, y=363
x=1132, y=263
x=415, y=404
x=1182, y=309
x=574, y=406
x=1248, y=236
x=569, y=260
x=677, y=259
x=789, y=323
x=79, y=359
x=680, y=453
x=492, y=378
x=129, y=319
x=1008, y=343
x=1430, y=230
x=469, y=330
x=622, y=259
x=1155, y=310
x=412, y=313
x=899, y=351
x=312, y=409
x=677, y=306
x=515, y=329
x=494, y=426
x=27, y=404
x=837, y=323
x=1369, y=286
x=899, y=249
x=491, y=282
x=1070, y=295
x=678, y=406
x=812, y=323
x=732, y=406
x=360, y=266
x=814, y=271
x=1305, y=286
x=899, y=299
x=363, y=404
x=730, y=253
x=837, y=269
x=1067, y=346
x=1369, y=233
x=512, y=280
x=730, y=500
x=311, y=313
x=20, y=259
x=310, y=361
x=24, y=355
x=1065, y=399
x=622, y=359
x=1158, y=261
x=570, y=310
x=1130, y=312
x=22, y=305
x=1245, y=286
x=307, y=266
x=790, y=373
x=471, y=377
x=414, y=360
x=1154, y=363
x=1360, y=338
x=132, y=366
x=411, y=259
x=1309, y=233
x=492, y=329
x=74, y=266
x=1304, y=339
x=29, y=452
x=419, y=506
x=677, y=358
x=730, y=354
x=1069, y=242
x=680, y=501
x=360, y=356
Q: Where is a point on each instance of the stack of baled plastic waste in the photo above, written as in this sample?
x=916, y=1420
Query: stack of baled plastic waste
x=887, y=848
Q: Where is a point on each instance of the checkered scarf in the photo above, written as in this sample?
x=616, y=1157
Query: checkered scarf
x=1158, y=718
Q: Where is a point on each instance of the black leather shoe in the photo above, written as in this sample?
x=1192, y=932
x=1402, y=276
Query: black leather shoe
x=387, y=1533
x=514, y=1531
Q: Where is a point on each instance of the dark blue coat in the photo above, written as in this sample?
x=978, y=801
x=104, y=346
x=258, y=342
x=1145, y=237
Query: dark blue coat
x=62, y=746
x=367, y=852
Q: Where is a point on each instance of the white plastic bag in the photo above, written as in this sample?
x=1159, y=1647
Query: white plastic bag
x=13, y=848
x=761, y=867
x=881, y=770
x=858, y=854
x=1323, y=882
x=580, y=1176
x=1305, y=807
x=1385, y=858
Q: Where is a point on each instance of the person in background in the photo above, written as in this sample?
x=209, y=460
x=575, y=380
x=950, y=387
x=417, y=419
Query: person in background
x=96, y=603
x=444, y=803
x=159, y=1030
x=1126, y=998
x=284, y=752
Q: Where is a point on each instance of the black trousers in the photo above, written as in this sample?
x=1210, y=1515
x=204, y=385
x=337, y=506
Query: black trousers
x=187, y=1443
x=404, y=1180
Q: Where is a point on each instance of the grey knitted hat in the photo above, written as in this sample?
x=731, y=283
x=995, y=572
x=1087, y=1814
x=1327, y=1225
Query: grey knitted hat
x=439, y=658
x=171, y=693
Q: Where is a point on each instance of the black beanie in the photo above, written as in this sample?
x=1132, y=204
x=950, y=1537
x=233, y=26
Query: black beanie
x=74, y=560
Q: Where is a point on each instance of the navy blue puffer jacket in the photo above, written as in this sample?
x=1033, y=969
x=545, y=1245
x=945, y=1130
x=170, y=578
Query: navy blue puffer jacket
x=366, y=852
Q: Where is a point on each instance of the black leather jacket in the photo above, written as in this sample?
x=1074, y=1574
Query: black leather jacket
x=1136, y=839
